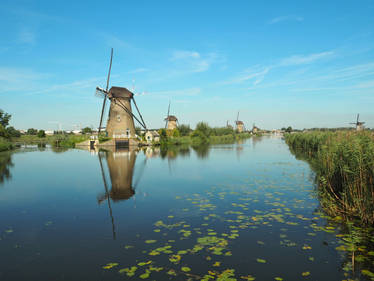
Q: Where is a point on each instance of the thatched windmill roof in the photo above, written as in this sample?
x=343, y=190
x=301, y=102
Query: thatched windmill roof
x=239, y=123
x=120, y=92
x=171, y=118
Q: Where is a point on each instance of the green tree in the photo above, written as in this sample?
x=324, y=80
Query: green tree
x=176, y=133
x=13, y=132
x=41, y=134
x=163, y=136
x=138, y=130
x=4, y=118
x=86, y=130
x=184, y=130
x=289, y=129
x=32, y=131
x=203, y=128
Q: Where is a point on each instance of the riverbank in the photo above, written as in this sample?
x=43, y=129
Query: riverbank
x=202, y=139
x=344, y=167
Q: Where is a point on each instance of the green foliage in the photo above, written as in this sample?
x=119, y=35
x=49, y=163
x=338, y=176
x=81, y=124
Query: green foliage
x=289, y=129
x=86, y=130
x=163, y=136
x=138, y=130
x=32, y=131
x=13, y=133
x=184, y=130
x=5, y=144
x=4, y=118
x=176, y=133
x=203, y=128
x=344, y=165
x=41, y=134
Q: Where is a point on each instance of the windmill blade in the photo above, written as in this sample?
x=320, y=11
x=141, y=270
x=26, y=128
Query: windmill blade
x=107, y=196
x=107, y=86
x=137, y=109
x=100, y=93
x=237, y=117
x=167, y=116
x=358, y=116
x=130, y=113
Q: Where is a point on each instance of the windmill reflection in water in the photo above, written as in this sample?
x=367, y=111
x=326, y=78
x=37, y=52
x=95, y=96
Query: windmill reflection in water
x=120, y=185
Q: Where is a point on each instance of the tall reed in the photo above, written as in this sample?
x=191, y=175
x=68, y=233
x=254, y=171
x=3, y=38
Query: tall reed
x=344, y=166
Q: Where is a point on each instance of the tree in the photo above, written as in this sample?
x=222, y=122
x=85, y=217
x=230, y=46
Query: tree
x=138, y=130
x=32, y=131
x=41, y=134
x=203, y=128
x=13, y=132
x=184, y=130
x=86, y=130
x=289, y=129
x=176, y=133
x=163, y=136
x=4, y=118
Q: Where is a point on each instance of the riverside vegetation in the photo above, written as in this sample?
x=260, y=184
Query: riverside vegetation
x=344, y=166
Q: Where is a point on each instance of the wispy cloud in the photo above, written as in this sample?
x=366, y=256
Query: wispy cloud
x=257, y=73
x=304, y=59
x=285, y=18
x=13, y=79
x=192, y=61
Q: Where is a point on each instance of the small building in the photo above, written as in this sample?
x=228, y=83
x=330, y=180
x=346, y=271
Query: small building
x=171, y=122
x=50, y=132
x=255, y=129
x=151, y=136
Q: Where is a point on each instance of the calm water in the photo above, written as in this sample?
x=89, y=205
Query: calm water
x=244, y=211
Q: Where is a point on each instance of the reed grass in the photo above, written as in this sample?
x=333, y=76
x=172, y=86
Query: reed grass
x=344, y=166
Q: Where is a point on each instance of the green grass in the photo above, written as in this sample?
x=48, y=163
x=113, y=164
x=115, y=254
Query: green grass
x=201, y=140
x=5, y=144
x=66, y=141
x=344, y=166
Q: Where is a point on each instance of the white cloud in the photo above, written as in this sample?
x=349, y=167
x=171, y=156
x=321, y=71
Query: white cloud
x=304, y=59
x=177, y=55
x=285, y=18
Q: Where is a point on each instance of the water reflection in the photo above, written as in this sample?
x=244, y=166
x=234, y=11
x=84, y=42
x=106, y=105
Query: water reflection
x=121, y=168
x=5, y=164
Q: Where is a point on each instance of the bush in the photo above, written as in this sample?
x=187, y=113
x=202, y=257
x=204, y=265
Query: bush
x=184, y=130
x=41, y=134
x=32, y=131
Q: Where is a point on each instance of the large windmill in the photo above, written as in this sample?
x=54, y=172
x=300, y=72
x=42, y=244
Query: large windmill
x=239, y=124
x=122, y=185
x=359, y=125
x=171, y=122
x=120, y=125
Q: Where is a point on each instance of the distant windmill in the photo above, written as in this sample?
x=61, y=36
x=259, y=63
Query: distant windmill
x=359, y=125
x=120, y=123
x=170, y=120
x=239, y=124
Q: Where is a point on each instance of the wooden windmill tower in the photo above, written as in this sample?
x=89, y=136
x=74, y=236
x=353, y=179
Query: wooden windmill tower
x=239, y=124
x=171, y=122
x=359, y=125
x=120, y=125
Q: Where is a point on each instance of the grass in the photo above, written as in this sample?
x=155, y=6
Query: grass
x=201, y=140
x=344, y=166
x=5, y=144
x=65, y=141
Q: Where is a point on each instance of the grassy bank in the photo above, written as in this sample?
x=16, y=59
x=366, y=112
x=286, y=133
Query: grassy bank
x=195, y=140
x=344, y=167
x=5, y=144
x=64, y=140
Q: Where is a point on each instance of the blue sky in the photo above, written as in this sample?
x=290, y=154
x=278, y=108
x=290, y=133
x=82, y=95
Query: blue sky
x=300, y=63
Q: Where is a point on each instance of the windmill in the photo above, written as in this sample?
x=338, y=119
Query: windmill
x=359, y=125
x=239, y=124
x=170, y=120
x=121, y=166
x=120, y=125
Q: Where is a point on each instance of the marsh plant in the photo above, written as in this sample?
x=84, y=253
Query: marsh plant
x=344, y=166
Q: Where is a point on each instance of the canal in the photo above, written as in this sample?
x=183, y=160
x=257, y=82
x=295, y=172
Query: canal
x=245, y=211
